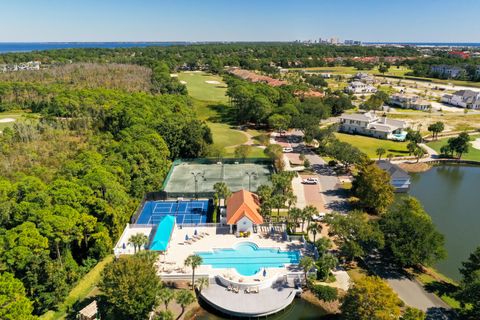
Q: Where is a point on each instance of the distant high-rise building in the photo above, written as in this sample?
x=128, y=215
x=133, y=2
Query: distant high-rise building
x=352, y=42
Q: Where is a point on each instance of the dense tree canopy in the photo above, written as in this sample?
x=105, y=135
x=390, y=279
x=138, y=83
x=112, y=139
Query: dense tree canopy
x=410, y=234
x=373, y=188
x=370, y=298
x=14, y=304
x=130, y=286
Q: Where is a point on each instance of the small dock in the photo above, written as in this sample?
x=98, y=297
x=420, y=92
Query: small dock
x=267, y=301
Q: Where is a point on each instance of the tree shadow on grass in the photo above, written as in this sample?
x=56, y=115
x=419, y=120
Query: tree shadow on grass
x=224, y=114
x=441, y=288
x=398, y=151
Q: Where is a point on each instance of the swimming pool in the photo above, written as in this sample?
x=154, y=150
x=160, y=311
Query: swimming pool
x=399, y=136
x=248, y=259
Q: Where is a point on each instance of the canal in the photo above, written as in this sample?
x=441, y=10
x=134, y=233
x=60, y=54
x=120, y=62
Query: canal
x=451, y=195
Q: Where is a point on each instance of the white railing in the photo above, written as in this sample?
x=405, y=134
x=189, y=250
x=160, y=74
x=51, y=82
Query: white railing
x=189, y=225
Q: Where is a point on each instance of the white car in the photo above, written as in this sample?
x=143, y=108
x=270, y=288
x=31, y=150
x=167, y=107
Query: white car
x=318, y=217
x=287, y=150
x=310, y=181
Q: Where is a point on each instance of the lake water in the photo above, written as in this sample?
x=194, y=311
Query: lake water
x=451, y=195
x=300, y=309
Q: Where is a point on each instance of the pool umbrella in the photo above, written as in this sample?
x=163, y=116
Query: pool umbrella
x=195, y=233
x=264, y=272
x=186, y=237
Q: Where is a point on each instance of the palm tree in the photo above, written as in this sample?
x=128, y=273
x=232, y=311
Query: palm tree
x=138, y=240
x=326, y=263
x=193, y=261
x=166, y=295
x=390, y=157
x=202, y=283
x=315, y=228
x=295, y=214
x=278, y=201
x=291, y=199
x=380, y=152
x=221, y=190
x=306, y=263
x=418, y=153
x=184, y=298
x=307, y=214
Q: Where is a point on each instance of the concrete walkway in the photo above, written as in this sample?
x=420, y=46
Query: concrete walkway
x=268, y=301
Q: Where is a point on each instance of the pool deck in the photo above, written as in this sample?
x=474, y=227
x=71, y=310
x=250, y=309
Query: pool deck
x=173, y=262
x=266, y=302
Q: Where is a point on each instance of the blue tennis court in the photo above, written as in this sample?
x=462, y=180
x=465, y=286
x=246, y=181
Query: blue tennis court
x=191, y=212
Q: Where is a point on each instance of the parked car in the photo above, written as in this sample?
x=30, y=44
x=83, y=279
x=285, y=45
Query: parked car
x=287, y=150
x=310, y=181
x=319, y=216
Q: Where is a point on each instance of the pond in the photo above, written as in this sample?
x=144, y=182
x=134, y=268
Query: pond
x=300, y=309
x=451, y=195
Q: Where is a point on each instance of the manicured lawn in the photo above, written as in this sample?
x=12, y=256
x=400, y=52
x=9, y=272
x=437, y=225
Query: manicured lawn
x=211, y=105
x=224, y=136
x=369, y=145
x=81, y=291
x=256, y=152
x=473, y=154
x=17, y=116
x=199, y=89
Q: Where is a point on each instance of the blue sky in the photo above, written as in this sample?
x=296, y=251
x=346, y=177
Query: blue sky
x=239, y=20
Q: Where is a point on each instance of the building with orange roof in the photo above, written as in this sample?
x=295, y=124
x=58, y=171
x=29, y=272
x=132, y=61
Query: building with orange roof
x=243, y=211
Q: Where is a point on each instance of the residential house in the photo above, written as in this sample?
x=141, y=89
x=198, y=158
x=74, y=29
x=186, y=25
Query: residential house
x=409, y=101
x=357, y=87
x=364, y=77
x=447, y=71
x=243, y=211
x=463, y=98
x=460, y=54
x=399, y=178
x=370, y=124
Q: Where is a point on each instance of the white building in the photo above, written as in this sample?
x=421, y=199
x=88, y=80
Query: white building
x=464, y=98
x=243, y=211
x=447, y=71
x=370, y=125
x=364, y=77
x=357, y=87
x=409, y=101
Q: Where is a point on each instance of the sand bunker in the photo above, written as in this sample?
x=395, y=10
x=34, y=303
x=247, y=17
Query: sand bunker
x=212, y=82
x=476, y=144
x=174, y=75
x=7, y=120
x=183, y=82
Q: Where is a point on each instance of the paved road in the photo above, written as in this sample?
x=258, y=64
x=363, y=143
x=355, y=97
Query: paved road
x=334, y=198
x=409, y=289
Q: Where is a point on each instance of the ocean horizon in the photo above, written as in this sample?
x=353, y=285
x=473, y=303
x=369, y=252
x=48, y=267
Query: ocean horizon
x=12, y=47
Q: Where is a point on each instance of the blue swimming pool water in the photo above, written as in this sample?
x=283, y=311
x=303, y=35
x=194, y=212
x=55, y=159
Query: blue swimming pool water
x=400, y=136
x=248, y=259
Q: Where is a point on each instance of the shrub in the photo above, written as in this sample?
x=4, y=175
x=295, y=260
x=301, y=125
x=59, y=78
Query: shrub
x=324, y=293
x=332, y=163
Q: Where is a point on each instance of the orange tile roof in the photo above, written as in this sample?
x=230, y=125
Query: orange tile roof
x=243, y=204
